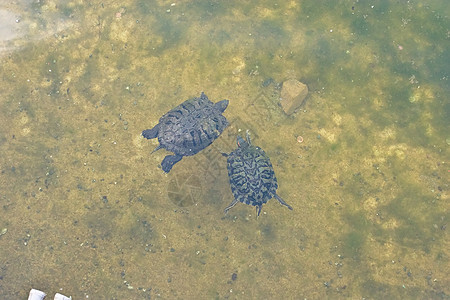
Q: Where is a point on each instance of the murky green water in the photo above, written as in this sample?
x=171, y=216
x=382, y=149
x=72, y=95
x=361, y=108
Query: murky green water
x=86, y=210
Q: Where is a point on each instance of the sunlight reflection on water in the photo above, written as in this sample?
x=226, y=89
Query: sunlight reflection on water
x=24, y=21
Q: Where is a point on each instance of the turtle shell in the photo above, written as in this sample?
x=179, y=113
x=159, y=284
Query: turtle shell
x=189, y=128
x=251, y=176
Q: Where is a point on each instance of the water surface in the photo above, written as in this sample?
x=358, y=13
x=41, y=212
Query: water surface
x=87, y=211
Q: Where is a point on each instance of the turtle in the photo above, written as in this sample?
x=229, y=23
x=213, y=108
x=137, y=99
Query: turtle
x=188, y=128
x=251, y=176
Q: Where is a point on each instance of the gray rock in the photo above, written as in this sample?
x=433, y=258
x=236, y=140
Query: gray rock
x=293, y=94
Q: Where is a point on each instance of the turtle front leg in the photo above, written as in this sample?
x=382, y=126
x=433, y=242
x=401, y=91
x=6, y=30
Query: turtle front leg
x=151, y=133
x=169, y=161
x=247, y=135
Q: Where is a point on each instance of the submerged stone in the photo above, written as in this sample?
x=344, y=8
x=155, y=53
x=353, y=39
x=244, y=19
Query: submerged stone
x=293, y=95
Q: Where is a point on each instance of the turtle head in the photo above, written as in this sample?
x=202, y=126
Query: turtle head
x=241, y=142
x=221, y=105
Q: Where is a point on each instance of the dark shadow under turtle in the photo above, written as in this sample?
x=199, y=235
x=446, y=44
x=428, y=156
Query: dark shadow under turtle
x=251, y=175
x=188, y=128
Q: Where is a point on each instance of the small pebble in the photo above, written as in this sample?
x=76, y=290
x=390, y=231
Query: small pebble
x=267, y=82
x=234, y=276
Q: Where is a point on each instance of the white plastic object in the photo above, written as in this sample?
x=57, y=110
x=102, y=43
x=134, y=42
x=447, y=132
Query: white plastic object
x=36, y=295
x=58, y=296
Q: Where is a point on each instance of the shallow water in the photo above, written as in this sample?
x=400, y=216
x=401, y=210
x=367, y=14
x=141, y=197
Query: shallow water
x=87, y=211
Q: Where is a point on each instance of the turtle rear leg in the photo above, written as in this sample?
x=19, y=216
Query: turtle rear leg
x=282, y=202
x=151, y=133
x=258, y=210
x=233, y=203
x=169, y=161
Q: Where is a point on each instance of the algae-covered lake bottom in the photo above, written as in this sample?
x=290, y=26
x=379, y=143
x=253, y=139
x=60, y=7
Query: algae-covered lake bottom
x=86, y=210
